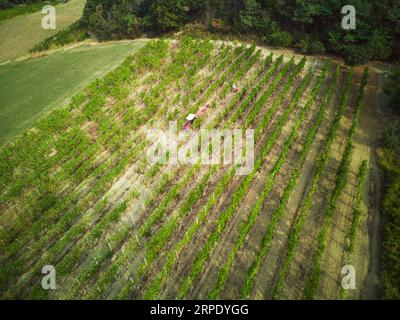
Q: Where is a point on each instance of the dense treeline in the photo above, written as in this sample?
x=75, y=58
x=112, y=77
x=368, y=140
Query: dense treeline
x=313, y=26
x=392, y=89
x=389, y=160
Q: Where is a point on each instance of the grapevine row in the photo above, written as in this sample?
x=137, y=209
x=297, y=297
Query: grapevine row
x=241, y=191
x=246, y=226
x=131, y=247
x=94, y=190
x=340, y=183
x=155, y=286
x=356, y=216
x=306, y=203
x=165, y=233
x=162, y=208
x=279, y=212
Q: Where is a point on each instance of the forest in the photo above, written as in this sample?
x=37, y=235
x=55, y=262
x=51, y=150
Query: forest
x=312, y=26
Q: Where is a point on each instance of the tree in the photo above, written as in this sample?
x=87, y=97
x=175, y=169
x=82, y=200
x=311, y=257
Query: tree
x=314, y=25
x=356, y=54
x=392, y=89
x=379, y=46
x=250, y=16
x=166, y=15
x=99, y=25
x=307, y=45
x=280, y=39
x=5, y=4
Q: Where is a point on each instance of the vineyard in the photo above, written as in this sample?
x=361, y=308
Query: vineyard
x=78, y=193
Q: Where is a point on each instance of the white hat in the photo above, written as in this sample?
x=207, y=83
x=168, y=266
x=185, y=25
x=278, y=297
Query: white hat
x=191, y=117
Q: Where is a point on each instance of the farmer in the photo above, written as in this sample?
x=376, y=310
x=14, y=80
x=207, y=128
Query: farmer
x=189, y=121
x=234, y=88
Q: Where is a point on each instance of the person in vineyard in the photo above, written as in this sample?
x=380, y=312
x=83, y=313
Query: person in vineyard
x=234, y=88
x=189, y=121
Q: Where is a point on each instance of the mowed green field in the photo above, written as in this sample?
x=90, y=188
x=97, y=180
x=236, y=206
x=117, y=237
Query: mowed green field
x=18, y=35
x=29, y=88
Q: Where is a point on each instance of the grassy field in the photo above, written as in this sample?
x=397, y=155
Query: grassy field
x=30, y=87
x=78, y=193
x=19, y=34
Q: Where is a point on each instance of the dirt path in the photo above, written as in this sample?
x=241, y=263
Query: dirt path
x=368, y=244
